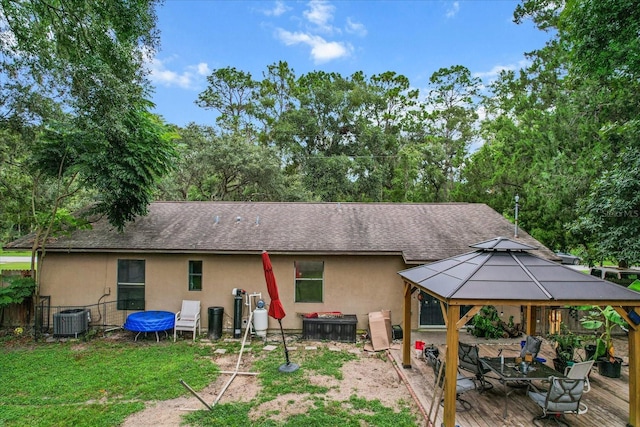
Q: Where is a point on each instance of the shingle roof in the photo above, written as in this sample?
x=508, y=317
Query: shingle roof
x=420, y=232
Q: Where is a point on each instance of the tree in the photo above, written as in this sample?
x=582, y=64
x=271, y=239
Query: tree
x=233, y=94
x=341, y=134
x=224, y=167
x=276, y=96
x=386, y=100
x=603, y=38
x=92, y=133
x=444, y=128
x=318, y=135
x=610, y=212
x=86, y=58
x=604, y=49
x=66, y=162
x=15, y=184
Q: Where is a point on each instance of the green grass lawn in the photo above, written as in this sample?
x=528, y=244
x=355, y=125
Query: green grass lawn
x=100, y=383
x=15, y=253
x=15, y=265
x=94, y=383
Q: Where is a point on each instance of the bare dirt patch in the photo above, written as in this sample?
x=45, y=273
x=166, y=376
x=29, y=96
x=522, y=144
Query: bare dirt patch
x=167, y=413
x=371, y=376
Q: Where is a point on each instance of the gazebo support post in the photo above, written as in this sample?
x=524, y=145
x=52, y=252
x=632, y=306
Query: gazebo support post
x=634, y=371
x=451, y=365
x=530, y=319
x=406, y=321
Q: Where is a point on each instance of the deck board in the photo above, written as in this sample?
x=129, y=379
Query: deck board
x=608, y=400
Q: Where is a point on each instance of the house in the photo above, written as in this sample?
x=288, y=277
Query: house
x=326, y=257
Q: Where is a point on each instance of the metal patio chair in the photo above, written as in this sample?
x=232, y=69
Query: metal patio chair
x=563, y=397
x=463, y=384
x=469, y=360
x=532, y=345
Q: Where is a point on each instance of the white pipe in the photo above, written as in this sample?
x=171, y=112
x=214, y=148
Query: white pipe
x=239, y=373
x=246, y=332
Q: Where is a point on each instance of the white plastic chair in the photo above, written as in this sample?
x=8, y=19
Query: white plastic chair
x=579, y=371
x=188, y=318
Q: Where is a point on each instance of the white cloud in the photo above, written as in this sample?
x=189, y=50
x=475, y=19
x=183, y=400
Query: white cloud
x=317, y=26
x=320, y=13
x=356, y=28
x=321, y=50
x=203, y=69
x=189, y=78
x=453, y=9
x=493, y=73
x=278, y=9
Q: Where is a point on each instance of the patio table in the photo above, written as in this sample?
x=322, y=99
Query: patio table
x=509, y=372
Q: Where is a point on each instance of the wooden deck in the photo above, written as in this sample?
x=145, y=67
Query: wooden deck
x=608, y=400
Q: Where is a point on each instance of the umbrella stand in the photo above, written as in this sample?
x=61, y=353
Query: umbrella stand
x=275, y=308
x=287, y=367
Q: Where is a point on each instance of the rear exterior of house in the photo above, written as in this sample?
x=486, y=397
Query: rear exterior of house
x=327, y=257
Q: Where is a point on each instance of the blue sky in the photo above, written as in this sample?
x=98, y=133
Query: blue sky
x=413, y=38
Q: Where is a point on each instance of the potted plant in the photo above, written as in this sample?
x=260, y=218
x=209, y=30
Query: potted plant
x=488, y=324
x=605, y=320
x=566, y=343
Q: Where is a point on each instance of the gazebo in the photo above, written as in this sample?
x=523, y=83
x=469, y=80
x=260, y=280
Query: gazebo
x=501, y=272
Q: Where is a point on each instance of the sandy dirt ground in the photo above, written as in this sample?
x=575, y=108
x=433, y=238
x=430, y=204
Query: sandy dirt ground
x=371, y=376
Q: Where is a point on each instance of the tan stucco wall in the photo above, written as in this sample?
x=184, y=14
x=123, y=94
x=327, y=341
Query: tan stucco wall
x=352, y=284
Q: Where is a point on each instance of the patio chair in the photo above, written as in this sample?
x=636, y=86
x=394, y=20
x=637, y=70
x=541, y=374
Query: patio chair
x=563, y=397
x=580, y=371
x=188, y=318
x=469, y=360
x=532, y=345
x=463, y=384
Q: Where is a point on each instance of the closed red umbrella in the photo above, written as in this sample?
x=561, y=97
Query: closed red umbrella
x=276, y=310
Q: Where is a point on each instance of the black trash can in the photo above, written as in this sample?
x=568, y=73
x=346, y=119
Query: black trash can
x=215, y=322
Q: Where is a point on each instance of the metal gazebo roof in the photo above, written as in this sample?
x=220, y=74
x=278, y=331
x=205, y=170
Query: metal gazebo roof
x=501, y=270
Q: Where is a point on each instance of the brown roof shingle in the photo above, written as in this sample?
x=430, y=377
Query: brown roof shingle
x=422, y=232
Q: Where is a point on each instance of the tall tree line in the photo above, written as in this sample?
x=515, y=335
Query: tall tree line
x=561, y=133
x=324, y=136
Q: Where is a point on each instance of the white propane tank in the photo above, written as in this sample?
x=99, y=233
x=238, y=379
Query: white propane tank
x=260, y=320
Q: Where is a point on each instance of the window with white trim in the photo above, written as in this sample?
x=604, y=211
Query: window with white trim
x=309, y=281
x=131, y=274
x=195, y=275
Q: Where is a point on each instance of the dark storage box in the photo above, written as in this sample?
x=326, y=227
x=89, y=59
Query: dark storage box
x=330, y=329
x=396, y=331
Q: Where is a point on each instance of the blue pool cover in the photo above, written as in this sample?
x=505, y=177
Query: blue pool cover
x=150, y=321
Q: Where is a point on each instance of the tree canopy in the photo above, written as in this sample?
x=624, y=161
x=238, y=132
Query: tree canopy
x=561, y=132
x=75, y=109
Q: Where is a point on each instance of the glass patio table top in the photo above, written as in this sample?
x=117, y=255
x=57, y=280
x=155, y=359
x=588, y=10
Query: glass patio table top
x=510, y=370
x=510, y=374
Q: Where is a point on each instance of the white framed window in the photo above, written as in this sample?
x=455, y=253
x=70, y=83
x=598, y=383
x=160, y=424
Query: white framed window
x=309, y=281
x=131, y=276
x=195, y=275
